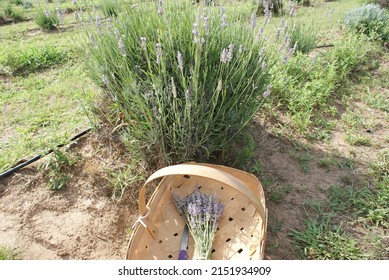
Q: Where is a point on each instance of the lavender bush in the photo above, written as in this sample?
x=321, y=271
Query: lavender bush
x=182, y=80
x=201, y=213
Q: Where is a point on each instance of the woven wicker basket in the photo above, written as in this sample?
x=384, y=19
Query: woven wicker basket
x=242, y=225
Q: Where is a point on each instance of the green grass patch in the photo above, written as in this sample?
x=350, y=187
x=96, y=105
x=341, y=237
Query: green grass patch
x=31, y=60
x=357, y=139
x=41, y=111
x=7, y=253
x=47, y=20
x=323, y=241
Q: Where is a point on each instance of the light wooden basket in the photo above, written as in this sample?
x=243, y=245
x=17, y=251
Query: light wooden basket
x=242, y=226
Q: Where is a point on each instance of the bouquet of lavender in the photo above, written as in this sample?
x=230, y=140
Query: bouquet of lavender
x=201, y=213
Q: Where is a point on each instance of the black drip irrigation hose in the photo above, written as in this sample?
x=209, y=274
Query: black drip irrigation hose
x=19, y=166
x=324, y=46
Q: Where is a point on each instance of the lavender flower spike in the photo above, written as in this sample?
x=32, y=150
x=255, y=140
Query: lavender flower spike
x=253, y=21
x=223, y=17
x=267, y=92
x=230, y=52
x=223, y=56
x=59, y=13
x=179, y=60
x=122, y=48
x=99, y=24
x=158, y=52
x=105, y=80
x=260, y=32
x=143, y=42
x=205, y=23
x=160, y=8
x=195, y=30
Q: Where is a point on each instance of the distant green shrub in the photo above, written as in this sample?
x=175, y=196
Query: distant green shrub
x=47, y=20
x=8, y=10
x=305, y=3
x=110, y=8
x=30, y=60
x=27, y=5
x=307, y=85
x=17, y=2
x=304, y=36
x=15, y=15
x=369, y=19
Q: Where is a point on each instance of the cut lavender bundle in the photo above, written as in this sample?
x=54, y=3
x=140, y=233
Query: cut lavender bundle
x=201, y=213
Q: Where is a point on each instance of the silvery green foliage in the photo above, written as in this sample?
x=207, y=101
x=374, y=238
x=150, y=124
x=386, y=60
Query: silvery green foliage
x=369, y=19
x=185, y=80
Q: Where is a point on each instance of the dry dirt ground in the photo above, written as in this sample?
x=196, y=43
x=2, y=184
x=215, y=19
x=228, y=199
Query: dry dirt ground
x=82, y=221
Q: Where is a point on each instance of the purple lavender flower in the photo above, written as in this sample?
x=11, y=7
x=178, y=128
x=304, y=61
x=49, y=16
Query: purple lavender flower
x=122, y=47
x=260, y=32
x=253, y=21
x=205, y=23
x=230, y=52
x=59, y=13
x=285, y=58
x=158, y=52
x=266, y=8
x=267, y=92
x=108, y=24
x=117, y=34
x=195, y=30
x=99, y=24
x=160, y=8
x=261, y=54
x=223, y=56
x=74, y=2
x=263, y=66
x=143, y=42
x=47, y=13
x=292, y=8
x=187, y=95
x=105, y=80
x=223, y=17
x=179, y=61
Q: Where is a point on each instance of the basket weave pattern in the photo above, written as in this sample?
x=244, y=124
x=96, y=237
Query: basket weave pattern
x=241, y=228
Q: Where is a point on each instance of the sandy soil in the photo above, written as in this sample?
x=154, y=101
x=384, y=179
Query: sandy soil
x=82, y=221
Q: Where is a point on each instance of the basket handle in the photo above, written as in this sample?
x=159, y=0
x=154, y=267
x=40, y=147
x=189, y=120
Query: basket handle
x=206, y=172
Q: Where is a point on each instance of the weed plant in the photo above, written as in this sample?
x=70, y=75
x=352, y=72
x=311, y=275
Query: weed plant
x=7, y=253
x=309, y=83
x=15, y=15
x=55, y=169
x=17, y=2
x=31, y=60
x=304, y=36
x=323, y=241
x=47, y=20
x=110, y=8
x=27, y=5
x=183, y=81
x=369, y=19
